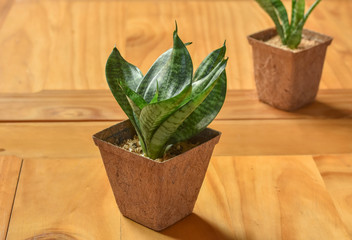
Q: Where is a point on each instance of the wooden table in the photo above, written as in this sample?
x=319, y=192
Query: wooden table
x=251, y=197
x=274, y=175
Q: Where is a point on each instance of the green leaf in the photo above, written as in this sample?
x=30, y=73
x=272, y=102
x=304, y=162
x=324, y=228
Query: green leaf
x=209, y=63
x=295, y=38
x=169, y=126
x=119, y=70
x=282, y=14
x=135, y=100
x=201, y=84
x=296, y=34
x=172, y=70
x=177, y=73
x=269, y=8
x=156, y=96
x=310, y=10
x=204, y=114
x=298, y=7
x=147, y=86
x=154, y=114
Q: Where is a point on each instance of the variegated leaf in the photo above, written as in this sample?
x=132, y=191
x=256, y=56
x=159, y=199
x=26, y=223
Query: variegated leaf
x=204, y=114
x=269, y=8
x=163, y=134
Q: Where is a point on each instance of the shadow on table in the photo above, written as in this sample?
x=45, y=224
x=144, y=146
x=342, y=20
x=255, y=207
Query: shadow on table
x=322, y=110
x=194, y=227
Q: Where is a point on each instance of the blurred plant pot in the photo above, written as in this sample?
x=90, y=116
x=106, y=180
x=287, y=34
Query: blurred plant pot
x=154, y=194
x=285, y=79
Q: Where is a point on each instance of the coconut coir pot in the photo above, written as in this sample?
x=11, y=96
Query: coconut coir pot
x=154, y=194
x=286, y=79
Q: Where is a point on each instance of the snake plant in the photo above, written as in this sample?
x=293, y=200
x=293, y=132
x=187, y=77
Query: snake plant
x=168, y=104
x=290, y=33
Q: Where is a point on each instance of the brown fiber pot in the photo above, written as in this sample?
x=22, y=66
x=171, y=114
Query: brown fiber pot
x=285, y=79
x=151, y=193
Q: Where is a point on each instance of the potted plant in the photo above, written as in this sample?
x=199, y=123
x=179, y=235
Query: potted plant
x=169, y=108
x=288, y=60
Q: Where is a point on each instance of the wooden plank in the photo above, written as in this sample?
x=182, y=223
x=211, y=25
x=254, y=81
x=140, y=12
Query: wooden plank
x=240, y=137
x=10, y=168
x=57, y=46
x=241, y=198
x=5, y=7
x=336, y=171
x=251, y=198
x=99, y=105
x=64, y=199
x=67, y=50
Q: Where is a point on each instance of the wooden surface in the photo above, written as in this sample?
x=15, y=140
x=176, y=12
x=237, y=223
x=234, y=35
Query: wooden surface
x=336, y=171
x=99, y=105
x=275, y=175
x=64, y=44
x=10, y=168
x=241, y=198
x=50, y=124
x=240, y=137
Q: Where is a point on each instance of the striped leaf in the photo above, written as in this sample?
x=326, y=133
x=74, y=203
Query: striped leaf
x=147, y=87
x=165, y=131
x=310, y=10
x=118, y=71
x=209, y=63
x=298, y=7
x=296, y=34
x=269, y=8
x=135, y=100
x=204, y=114
x=154, y=114
x=290, y=33
x=281, y=12
x=167, y=97
x=168, y=70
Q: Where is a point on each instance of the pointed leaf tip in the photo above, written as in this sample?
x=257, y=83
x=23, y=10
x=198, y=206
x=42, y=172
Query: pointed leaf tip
x=116, y=51
x=224, y=43
x=175, y=26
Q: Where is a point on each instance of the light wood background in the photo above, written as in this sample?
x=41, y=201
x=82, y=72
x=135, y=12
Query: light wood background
x=274, y=174
x=273, y=197
x=64, y=44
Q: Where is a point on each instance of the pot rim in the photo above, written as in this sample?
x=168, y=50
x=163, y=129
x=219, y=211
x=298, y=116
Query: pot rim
x=255, y=38
x=97, y=139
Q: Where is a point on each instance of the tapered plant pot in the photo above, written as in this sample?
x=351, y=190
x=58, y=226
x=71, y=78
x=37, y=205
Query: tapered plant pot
x=286, y=79
x=154, y=194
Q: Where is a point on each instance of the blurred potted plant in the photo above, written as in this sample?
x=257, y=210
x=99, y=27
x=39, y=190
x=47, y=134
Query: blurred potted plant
x=167, y=106
x=288, y=60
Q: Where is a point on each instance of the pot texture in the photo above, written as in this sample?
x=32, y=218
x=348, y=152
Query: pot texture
x=151, y=193
x=285, y=79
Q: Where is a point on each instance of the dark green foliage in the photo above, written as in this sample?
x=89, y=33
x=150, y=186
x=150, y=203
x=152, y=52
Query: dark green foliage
x=290, y=33
x=169, y=104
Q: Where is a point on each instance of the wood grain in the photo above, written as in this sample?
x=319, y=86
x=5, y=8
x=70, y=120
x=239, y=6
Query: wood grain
x=10, y=168
x=99, y=105
x=274, y=197
x=5, y=6
x=64, y=44
x=240, y=137
x=241, y=198
x=336, y=171
x=64, y=199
